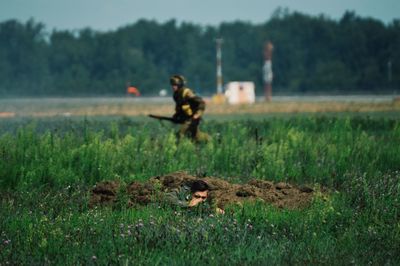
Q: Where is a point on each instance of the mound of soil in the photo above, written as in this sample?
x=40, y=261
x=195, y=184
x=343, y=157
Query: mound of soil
x=222, y=193
x=104, y=193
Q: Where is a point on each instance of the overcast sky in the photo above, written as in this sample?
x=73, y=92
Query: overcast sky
x=110, y=14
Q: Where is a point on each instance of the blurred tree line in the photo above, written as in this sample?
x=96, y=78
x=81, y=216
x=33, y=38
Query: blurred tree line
x=311, y=55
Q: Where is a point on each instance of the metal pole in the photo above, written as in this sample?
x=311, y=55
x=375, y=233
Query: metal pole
x=219, y=65
x=267, y=70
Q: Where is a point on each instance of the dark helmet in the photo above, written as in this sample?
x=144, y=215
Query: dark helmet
x=177, y=80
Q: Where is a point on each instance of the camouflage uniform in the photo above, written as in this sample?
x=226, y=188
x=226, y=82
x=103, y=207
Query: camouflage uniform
x=188, y=104
x=179, y=197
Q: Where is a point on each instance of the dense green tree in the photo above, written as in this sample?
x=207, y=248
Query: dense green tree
x=23, y=67
x=312, y=54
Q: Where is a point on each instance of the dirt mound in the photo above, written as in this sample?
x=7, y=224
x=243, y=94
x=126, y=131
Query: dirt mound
x=104, y=193
x=282, y=195
x=140, y=193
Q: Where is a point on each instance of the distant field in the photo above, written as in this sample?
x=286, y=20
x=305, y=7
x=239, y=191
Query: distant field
x=44, y=107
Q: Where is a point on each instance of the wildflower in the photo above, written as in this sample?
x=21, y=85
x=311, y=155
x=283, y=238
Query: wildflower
x=7, y=241
x=122, y=235
x=258, y=237
x=94, y=257
x=139, y=225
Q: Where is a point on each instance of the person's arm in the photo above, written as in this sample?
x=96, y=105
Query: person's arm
x=219, y=210
x=178, y=197
x=172, y=198
x=196, y=101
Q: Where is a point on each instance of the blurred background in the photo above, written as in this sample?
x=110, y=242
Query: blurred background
x=130, y=48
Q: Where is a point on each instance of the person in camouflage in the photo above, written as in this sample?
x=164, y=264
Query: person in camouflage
x=189, y=109
x=188, y=196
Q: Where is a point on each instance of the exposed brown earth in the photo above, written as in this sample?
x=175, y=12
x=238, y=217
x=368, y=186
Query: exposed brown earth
x=222, y=192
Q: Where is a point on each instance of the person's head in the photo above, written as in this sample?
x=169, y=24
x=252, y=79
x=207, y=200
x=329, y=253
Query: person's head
x=199, y=190
x=177, y=82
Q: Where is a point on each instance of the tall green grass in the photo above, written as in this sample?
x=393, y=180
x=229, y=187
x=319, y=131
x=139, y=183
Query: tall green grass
x=311, y=150
x=47, y=170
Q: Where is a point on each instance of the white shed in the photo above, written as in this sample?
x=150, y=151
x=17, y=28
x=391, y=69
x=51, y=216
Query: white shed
x=238, y=92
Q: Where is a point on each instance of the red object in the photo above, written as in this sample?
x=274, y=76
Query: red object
x=133, y=90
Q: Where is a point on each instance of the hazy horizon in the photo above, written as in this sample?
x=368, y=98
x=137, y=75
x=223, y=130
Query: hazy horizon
x=105, y=15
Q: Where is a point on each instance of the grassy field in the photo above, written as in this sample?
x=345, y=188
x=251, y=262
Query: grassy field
x=49, y=165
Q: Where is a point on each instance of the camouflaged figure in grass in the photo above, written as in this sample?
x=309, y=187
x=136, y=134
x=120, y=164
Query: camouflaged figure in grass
x=188, y=196
x=189, y=109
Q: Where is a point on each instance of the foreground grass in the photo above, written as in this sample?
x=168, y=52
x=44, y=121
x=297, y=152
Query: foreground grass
x=57, y=228
x=46, y=174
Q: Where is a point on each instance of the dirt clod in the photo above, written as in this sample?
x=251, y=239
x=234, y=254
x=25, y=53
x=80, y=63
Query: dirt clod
x=104, y=193
x=282, y=185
